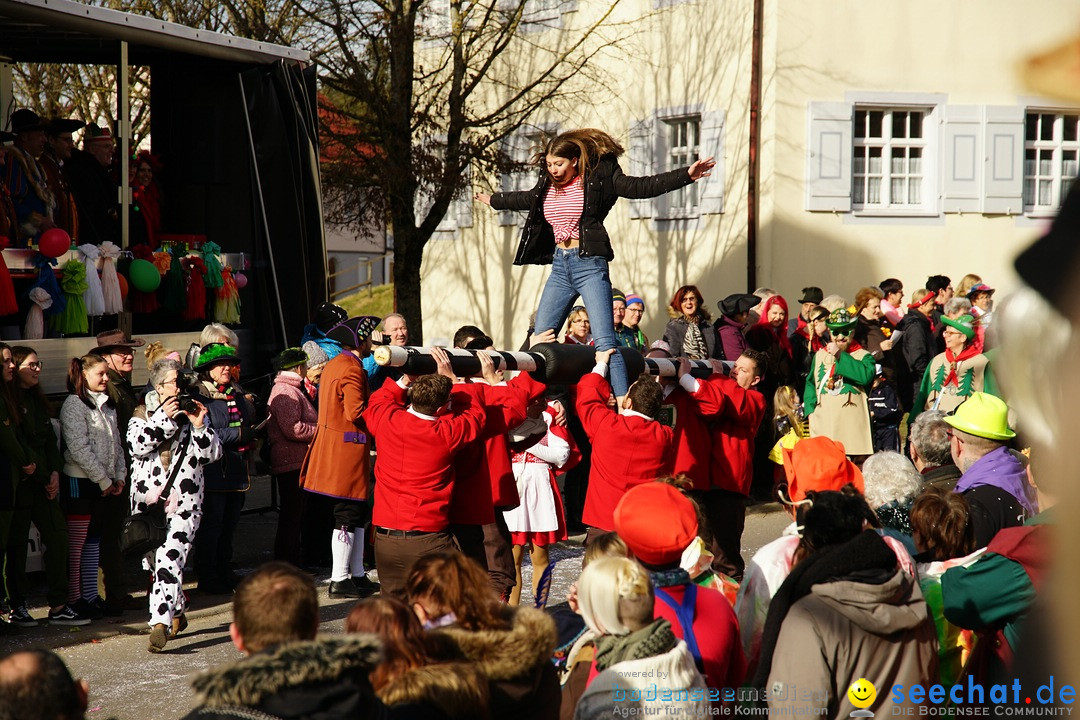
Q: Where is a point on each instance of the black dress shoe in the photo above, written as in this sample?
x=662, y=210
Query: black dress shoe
x=362, y=582
x=347, y=589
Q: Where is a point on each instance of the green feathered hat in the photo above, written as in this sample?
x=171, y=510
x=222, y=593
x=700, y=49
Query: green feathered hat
x=290, y=358
x=214, y=354
x=841, y=322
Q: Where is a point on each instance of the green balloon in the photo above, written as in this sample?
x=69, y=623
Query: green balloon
x=144, y=276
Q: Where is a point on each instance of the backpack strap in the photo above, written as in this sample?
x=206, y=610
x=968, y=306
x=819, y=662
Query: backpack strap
x=684, y=612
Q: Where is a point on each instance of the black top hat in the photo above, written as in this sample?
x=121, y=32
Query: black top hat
x=55, y=126
x=353, y=331
x=738, y=303
x=812, y=295
x=24, y=120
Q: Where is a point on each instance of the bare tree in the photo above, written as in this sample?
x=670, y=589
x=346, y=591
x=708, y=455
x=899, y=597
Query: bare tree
x=430, y=90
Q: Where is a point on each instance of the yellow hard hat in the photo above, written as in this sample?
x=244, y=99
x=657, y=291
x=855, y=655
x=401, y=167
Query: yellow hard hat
x=983, y=415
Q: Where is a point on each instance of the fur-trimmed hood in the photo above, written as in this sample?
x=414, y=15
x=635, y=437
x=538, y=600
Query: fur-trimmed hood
x=505, y=654
x=456, y=689
x=292, y=666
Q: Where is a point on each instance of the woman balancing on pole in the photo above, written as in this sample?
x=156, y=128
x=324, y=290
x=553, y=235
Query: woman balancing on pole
x=565, y=227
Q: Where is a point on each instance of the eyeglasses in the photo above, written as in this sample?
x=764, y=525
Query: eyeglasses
x=36, y=365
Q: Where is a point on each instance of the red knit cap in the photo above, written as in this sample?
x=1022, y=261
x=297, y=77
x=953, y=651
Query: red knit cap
x=656, y=522
x=819, y=463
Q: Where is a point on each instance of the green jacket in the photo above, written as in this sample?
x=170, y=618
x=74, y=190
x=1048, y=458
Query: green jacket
x=996, y=591
x=975, y=374
x=856, y=371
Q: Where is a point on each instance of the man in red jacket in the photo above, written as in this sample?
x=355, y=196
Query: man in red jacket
x=415, y=466
x=484, y=483
x=733, y=432
x=687, y=409
x=629, y=448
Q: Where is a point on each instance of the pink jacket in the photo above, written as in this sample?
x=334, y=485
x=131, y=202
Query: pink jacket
x=292, y=425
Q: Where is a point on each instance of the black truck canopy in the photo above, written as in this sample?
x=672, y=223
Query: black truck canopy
x=235, y=124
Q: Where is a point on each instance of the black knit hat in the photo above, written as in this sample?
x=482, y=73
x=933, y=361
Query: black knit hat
x=353, y=331
x=328, y=315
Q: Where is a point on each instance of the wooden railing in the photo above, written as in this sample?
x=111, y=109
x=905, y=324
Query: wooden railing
x=336, y=292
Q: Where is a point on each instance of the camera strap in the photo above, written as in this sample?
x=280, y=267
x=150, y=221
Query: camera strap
x=174, y=468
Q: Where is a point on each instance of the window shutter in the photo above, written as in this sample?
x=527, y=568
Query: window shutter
x=711, y=189
x=642, y=142
x=1003, y=174
x=828, y=157
x=961, y=159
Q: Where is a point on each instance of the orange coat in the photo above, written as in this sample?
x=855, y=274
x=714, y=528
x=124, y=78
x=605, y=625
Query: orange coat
x=337, y=461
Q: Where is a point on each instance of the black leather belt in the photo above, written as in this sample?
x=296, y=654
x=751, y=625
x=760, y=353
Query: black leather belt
x=400, y=533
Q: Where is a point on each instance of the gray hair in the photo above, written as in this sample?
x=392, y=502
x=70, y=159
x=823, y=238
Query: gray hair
x=764, y=293
x=161, y=368
x=217, y=333
x=930, y=436
x=889, y=476
x=833, y=302
x=957, y=304
x=399, y=316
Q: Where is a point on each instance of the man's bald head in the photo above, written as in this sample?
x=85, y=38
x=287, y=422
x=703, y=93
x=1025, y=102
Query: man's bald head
x=36, y=685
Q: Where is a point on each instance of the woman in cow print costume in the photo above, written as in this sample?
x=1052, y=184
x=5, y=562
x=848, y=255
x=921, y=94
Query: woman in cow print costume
x=155, y=436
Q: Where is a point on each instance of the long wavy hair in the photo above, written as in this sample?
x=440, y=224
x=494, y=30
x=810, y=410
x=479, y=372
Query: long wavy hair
x=405, y=646
x=459, y=585
x=586, y=145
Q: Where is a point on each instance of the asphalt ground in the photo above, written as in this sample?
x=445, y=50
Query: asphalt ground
x=129, y=683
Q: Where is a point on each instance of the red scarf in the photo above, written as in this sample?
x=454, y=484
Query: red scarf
x=966, y=354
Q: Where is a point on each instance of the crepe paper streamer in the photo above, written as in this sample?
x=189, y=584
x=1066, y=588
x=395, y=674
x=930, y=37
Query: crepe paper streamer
x=110, y=286
x=47, y=279
x=195, y=309
x=174, y=288
x=8, y=303
x=227, y=299
x=40, y=300
x=72, y=320
x=93, y=297
x=213, y=274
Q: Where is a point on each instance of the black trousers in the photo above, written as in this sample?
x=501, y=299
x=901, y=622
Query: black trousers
x=214, y=538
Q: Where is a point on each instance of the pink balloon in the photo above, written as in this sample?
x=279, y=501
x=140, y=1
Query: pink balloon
x=54, y=242
x=241, y=280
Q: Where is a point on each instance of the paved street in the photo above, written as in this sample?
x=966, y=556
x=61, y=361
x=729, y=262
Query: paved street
x=128, y=683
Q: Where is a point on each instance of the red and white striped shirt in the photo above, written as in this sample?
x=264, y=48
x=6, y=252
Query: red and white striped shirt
x=563, y=207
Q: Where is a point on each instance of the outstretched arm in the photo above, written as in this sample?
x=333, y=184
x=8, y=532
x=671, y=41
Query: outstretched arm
x=654, y=185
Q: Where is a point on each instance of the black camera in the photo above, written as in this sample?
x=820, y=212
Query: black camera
x=185, y=380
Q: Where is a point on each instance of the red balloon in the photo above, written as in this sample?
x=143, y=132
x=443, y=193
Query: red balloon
x=54, y=243
x=123, y=286
x=241, y=280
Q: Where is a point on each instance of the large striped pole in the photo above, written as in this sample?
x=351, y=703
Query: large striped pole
x=551, y=363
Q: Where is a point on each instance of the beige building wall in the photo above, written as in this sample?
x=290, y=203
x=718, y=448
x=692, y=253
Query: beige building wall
x=832, y=50
x=694, y=56
x=688, y=56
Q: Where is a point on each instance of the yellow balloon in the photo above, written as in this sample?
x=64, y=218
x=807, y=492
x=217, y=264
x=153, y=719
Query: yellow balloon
x=862, y=693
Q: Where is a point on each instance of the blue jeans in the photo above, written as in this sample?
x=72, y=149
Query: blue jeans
x=571, y=276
